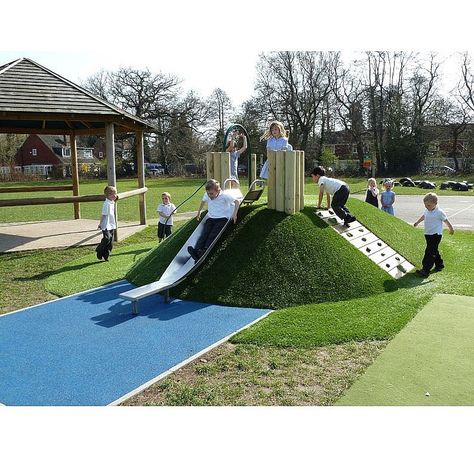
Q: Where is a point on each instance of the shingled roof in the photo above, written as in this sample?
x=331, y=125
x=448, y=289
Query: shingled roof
x=34, y=99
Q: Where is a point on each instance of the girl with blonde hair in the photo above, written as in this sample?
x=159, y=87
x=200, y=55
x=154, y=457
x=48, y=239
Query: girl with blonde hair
x=276, y=140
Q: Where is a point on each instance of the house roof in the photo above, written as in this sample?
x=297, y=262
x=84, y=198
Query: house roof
x=56, y=144
x=34, y=99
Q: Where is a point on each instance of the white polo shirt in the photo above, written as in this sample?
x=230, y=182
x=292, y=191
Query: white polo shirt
x=108, y=210
x=434, y=221
x=331, y=185
x=220, y=207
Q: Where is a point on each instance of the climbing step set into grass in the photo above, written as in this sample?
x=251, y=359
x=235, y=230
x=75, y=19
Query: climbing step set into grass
x=369, y=244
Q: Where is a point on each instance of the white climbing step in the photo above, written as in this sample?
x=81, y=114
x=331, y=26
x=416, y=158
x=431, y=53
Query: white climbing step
x=369, y=244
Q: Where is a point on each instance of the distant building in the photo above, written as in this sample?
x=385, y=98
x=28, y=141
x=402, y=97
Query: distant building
x=43, y=154
x=40, y=154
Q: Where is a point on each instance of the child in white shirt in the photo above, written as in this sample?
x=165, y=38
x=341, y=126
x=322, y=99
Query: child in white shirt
x=433, y=218
x=107, y=223
x=221, y=206
x=339, y=191
x=165, y=210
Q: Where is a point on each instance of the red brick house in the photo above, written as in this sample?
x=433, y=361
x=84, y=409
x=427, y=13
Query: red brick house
x=41, y=154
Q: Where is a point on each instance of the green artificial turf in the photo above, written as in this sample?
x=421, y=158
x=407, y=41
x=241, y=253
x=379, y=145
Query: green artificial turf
x=380, y=316
x=424, y=364
x=275, y=260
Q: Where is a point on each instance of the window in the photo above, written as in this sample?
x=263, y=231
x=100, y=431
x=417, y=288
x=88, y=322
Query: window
x=66, y=152
x=87, y=153
x=101, y=154
x=34, y=152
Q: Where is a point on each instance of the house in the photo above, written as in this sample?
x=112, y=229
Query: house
x=41, y=154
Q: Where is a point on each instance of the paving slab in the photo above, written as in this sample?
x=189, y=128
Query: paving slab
x=56, y=234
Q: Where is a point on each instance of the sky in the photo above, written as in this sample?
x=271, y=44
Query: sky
x=209, y=44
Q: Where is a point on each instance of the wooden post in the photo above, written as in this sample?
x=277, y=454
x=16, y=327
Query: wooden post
x=217, y=166
x=297, y=180
x=110, y=152
x=253, y=168
x=141, y=175
x=225, y=167
x=111, y=176
x=271, y=182
x=280, y=181
x=210, y=166
x=290, y=179
x=75, y=174
x=302, y=176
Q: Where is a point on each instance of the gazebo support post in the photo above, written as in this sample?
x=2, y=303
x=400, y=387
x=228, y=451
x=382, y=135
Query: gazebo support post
x=110, y=152
x=75, y=175
x=141, y=174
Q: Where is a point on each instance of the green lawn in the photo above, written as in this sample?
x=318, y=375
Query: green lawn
x=180, y=189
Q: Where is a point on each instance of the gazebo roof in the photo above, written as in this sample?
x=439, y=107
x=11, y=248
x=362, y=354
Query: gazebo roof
x=34, y=99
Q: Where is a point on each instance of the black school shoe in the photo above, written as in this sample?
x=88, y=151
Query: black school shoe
x=438, y=268
x=193, y=253
x=349, y=220
x=422, y=273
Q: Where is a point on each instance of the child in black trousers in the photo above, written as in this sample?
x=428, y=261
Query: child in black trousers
x=433, y=218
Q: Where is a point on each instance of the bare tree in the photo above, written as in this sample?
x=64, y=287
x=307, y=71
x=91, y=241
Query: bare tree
x=98, y=84
x=385, y=85
x=350, y=95
x=293, y=86
x=453, y=116
x=219, y=109
x=466, y=86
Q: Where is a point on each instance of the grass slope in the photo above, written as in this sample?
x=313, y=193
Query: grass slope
x=275, y=260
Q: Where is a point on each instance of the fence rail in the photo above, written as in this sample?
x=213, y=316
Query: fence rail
x=67, y=199
x=36, y=188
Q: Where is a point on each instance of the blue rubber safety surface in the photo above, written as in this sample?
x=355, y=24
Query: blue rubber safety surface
x=88, y=349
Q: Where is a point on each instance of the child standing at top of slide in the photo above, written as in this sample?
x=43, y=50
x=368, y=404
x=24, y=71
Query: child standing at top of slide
x=236, y=152
x=276, y=140
x=387, y=198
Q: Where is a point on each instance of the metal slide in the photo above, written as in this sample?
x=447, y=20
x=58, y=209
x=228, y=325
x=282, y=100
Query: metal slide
x=182, y=265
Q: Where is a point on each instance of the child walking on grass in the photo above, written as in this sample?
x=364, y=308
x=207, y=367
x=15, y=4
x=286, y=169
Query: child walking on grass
x=433, y=218
x=107, y=223
x=165, y=210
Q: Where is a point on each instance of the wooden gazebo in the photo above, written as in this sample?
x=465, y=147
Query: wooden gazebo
x=35, y=100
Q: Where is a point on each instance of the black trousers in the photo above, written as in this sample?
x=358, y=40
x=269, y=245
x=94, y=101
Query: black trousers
x=164, y=230
x=432, y=256
x=338, y=203
x=212, y=227
x=105, y=246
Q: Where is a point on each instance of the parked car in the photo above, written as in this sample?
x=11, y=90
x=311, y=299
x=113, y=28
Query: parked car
x=154, y=169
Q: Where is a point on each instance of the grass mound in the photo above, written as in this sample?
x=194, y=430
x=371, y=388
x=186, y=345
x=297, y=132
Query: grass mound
x=275, y=260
